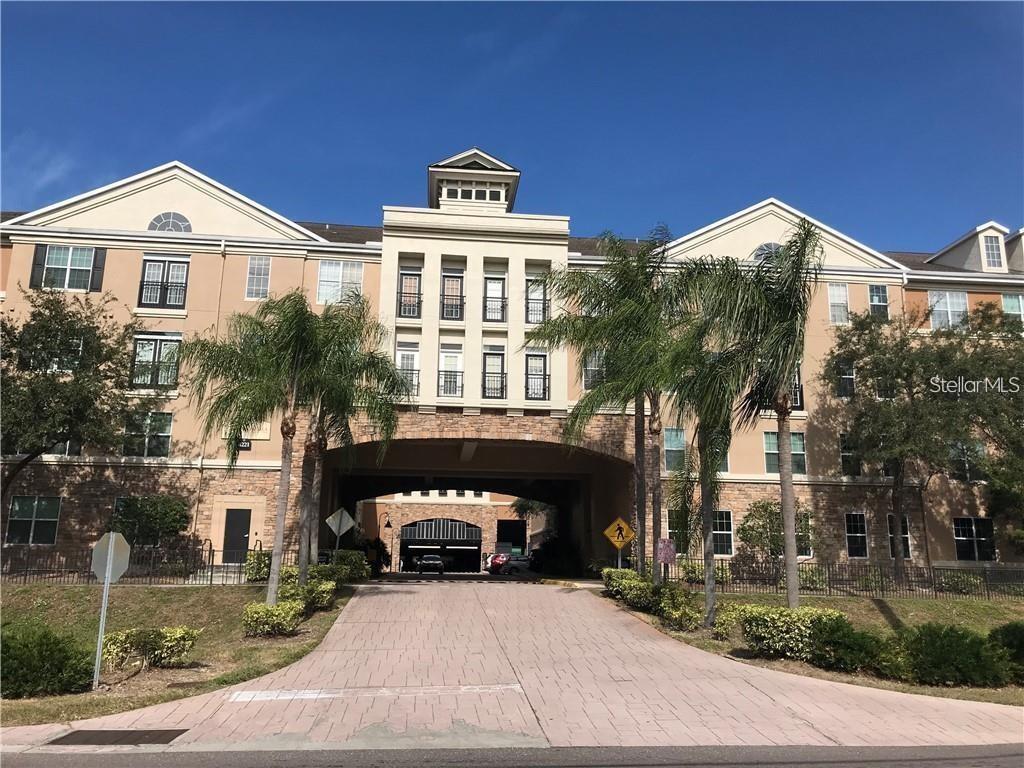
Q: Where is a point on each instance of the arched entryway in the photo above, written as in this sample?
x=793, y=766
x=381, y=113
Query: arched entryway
x=457, y=542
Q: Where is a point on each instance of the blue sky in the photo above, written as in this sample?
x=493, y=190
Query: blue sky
x=899, y=124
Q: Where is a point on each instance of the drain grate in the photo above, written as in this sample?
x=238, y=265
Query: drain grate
x=100, y=738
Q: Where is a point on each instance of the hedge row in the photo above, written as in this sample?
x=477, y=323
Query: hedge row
x=929, y=654
x=164, y=647
x=346, y=567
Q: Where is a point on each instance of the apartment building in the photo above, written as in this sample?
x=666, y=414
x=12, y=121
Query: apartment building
x=457, y=283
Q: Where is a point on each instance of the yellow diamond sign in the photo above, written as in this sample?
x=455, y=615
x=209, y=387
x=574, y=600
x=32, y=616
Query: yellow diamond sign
x=619, y=533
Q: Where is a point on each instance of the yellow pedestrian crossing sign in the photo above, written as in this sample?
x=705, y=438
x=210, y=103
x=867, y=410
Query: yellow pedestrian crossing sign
x=619, y=533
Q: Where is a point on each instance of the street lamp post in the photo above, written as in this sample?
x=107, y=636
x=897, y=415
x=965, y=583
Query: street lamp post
x=387, y=526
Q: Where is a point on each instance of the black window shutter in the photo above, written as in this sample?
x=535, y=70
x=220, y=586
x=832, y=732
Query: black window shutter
x=35, y=280
x=99, y=259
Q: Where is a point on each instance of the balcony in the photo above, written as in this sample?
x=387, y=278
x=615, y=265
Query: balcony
x=453, y=307
x=162, y=294
x=409, y=305
x=495, y=309
x=155, y=375
x=494, y=386
x=537, y=310
x=796, y=395
x=412, y=380
x=538, y=386
x=449, y=383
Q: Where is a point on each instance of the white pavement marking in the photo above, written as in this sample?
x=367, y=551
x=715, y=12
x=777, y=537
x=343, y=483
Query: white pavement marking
x=345, y=693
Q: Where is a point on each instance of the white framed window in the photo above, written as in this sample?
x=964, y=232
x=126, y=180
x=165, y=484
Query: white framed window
x=804, y=536
x=973, y=538
x=68, y=267
x=33, y=520
x=675, y=448
x=904, y=534
x=257, y=281
x=148, y=434
x=723, y=465
x=771, y=453
x=450, y=371
x=1013, y=305
x=593, y=370
x=846, y=386
x=993, y=252
x=948, y=308
x=156, y=361
x=721, y=532
x=337, y=280
x=407, y=356
x=67, y=448
x=170, y=221
x=838, y=304
x=878, y=301
x=490, y=191
x=478, y=494
x=164, y=282
x=848, y=458
x=856, y=535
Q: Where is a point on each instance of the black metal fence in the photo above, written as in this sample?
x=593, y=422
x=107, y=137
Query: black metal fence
x=198, y=566
x=858, y=579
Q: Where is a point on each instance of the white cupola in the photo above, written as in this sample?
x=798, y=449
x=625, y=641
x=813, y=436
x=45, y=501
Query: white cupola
x=472, y=181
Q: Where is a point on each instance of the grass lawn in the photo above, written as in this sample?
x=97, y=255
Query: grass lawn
x=879, y=615
x=222, y=655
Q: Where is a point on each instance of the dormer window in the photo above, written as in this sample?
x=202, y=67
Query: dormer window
x=993, y=252
x=483, y=191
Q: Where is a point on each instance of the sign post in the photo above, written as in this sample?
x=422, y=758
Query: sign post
x=666, y=554
x=339, y=522
x=619, y=534
x=110, y=558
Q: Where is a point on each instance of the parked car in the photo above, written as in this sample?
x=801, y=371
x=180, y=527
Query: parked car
x=516, y=564
x=430, y=563
x=497, y=561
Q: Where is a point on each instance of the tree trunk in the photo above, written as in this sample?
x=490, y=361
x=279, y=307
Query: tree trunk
x=788, y=508
x=897, y=523
x=309, y=450
x=640, y=485
x=707, y=519
x=284, y=486
x=314, y=502
x=654, y=427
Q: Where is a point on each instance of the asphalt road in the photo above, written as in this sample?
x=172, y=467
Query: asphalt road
x=1009, y=756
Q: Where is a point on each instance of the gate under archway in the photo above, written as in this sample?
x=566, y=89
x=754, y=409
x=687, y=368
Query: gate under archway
x=457, y=542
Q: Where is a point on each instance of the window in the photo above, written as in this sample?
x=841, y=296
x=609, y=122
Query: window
x=257, y=281
x=68, y=267
x=593, y=370
x=536, y=301
x=407, y=355
x=796, y=391
x=494, y=299
x=452, y=302
x=948, y=308
x=170, y=221
x=460, y=494
x=491, y=191
x=442, y=493
x=338, y=280
x=164, y=283
x=450, y=371
x=66, y=448
x=409, y=299
x=723, y=465
x=771, y=453
x=156, y=361
x=838, y=304
x=1013, y=305
x=889, y=467
x=494, y=373
x=850, y=461
x=847, y=383
x=965, y=460
x=973, y=538
x=804, y=546
x=33, y=520
x=424, y=493
x=904, y=534
x=675, y=449
x=856, y=534
x=764, y=250
x=721, y=532
x=148, y=434
x=878, y=301
x=478, y=494
x=993, y=253
x=537, y=376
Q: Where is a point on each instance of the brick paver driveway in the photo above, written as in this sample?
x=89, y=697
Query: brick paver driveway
x=515, y=664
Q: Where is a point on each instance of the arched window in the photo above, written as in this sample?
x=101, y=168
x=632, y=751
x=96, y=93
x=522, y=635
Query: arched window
x=170, y=221
x=764, y=250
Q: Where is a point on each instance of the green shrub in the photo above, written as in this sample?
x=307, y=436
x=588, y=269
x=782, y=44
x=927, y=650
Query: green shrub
x=37, y=661
x=257, y=566
x=959, y=582
x=320, y=594
x=678, y=608
x=835, y=644
x=614, y=578
x=728, y=616
x=1011, y=637
x=891, y=661
x=639, y=594
x=874, y=581
x=782, y=632
x=942, y=654
x=352, y=566
x=328, y=572
x=262, y=620
x=812, y=579
x=165, y=647
x=289, y=575
x=692, y=572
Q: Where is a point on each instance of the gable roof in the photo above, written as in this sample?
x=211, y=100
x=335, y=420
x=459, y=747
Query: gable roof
x=476, y=159
x=173, y=170
x=972, y=233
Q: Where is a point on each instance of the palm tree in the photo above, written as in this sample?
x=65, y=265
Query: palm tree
x=769, y=304
x=350, y=375
x=626, y=312
x=251, y=375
